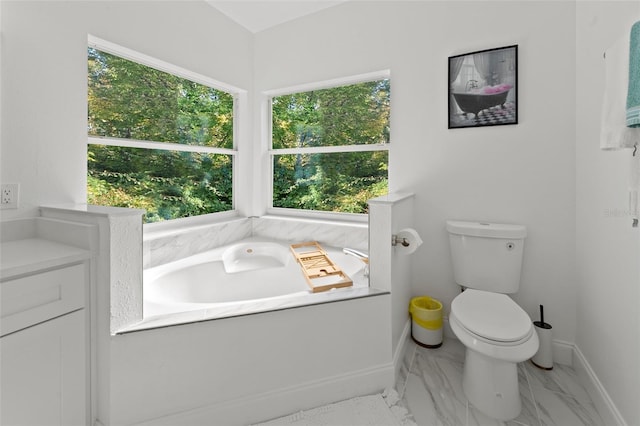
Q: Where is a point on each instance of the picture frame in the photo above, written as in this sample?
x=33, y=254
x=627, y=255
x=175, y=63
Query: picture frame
x=483, y=88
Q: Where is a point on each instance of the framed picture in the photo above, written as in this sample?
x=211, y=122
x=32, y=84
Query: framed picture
x=483, y=88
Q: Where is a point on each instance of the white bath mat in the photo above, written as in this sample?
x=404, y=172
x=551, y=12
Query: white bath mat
x=373, y=410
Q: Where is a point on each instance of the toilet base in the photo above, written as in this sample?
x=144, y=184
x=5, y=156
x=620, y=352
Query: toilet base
x=491, y=385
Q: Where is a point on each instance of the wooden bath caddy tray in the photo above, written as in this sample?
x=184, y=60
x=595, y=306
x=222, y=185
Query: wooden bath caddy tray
x=318, y=269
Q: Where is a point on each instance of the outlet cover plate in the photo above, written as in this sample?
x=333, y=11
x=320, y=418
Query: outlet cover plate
x=9, y=193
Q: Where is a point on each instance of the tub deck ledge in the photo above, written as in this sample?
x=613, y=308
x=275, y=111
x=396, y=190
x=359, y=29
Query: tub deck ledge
x=251, y=307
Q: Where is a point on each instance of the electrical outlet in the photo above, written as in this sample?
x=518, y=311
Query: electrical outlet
x=9, y=193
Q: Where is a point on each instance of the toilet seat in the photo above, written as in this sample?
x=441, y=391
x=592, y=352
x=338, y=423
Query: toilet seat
x=492, y=317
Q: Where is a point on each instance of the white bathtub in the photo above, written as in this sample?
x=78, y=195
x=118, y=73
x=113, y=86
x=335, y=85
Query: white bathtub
x=250, y=276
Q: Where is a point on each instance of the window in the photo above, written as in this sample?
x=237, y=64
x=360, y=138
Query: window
x=330, y=147
x=157, y=141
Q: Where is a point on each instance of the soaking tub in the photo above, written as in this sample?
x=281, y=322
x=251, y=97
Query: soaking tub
x=250, y=276
x=475, y=101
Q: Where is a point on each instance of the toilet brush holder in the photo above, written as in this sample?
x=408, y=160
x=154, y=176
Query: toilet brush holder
x=544, y=357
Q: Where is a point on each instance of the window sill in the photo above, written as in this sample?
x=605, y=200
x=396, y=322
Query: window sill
x=317, y=216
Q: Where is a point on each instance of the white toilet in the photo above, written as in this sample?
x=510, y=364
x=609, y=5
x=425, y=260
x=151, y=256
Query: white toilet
x=497, y=333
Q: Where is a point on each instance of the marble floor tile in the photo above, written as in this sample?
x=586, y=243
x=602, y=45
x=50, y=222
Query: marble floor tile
x=430, y=385
x=437, y=375
x=563, y=410
x=559, y=396
x=421, y=404
x=562, y=379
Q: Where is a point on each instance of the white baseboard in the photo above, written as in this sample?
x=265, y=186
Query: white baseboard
x=280, y=402
x=569, y=354
x=401, y=348
x=599, y=395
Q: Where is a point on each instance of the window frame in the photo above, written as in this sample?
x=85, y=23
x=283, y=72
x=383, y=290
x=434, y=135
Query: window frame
x=271, y=153
x=237, y=94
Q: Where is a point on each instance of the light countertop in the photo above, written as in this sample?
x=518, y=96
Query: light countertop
x=31, y=255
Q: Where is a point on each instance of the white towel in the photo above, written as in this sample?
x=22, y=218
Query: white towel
x=614, y=133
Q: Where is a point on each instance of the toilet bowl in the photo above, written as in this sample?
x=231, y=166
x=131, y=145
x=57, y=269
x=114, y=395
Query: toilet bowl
x=497, y=334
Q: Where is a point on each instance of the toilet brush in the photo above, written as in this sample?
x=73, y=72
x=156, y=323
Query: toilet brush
x=544, y=357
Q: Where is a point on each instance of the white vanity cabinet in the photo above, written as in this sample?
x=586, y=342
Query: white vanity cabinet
x=44, y=329
x=44, y=373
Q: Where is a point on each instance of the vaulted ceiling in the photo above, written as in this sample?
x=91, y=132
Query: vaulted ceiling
x=260, y=15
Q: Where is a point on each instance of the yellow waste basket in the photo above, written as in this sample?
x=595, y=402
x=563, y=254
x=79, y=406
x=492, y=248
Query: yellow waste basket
x=426, y=321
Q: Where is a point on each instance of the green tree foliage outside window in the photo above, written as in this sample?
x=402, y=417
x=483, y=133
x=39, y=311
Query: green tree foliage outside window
x=356, y=114
x=131, y=101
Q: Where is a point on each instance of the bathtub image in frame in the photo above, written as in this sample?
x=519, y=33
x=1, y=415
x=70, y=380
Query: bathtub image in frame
x=483, y=88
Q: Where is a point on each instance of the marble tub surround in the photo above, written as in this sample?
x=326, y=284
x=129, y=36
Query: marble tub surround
x=162, y=245
x=430, y=385
x=166, y=244
x=332, y=233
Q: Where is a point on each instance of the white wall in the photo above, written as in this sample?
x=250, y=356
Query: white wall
x=44, y=73
x=608, y=248
x=520, y=174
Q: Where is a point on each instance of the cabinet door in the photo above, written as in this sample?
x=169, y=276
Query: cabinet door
x=44, y=373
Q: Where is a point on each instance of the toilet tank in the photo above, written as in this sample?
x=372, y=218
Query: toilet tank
x=487, y=256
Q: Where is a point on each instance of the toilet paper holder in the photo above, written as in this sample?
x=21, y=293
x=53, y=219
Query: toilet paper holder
x=395, y=240
x=406, y=240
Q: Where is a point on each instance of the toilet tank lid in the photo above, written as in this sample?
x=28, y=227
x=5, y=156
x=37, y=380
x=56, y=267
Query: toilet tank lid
x=485, y=229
